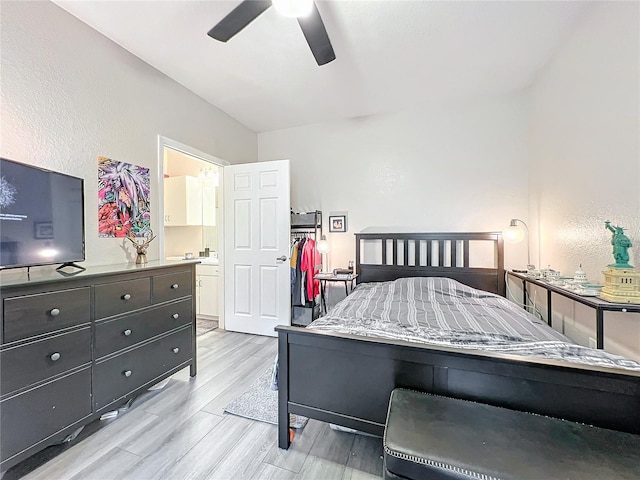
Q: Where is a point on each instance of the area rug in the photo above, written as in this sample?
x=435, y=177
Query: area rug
x=204, y=325
x=260, y=403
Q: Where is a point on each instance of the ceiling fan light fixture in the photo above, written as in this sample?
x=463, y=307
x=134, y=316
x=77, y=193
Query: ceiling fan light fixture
x=293, y=8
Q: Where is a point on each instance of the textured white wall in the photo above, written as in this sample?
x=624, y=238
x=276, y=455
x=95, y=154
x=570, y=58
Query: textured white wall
x=585, y=142
x=461, y=168
x=69, y=95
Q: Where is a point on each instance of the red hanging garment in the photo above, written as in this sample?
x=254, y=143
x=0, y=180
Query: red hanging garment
x=309, y=261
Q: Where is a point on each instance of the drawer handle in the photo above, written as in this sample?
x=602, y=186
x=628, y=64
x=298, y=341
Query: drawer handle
x=54, y=312
x=176, y=316
x=175, y=350
x=127, y=373
x=55, y=356
x=174, y=286
x=127, y=332
x=126, y=296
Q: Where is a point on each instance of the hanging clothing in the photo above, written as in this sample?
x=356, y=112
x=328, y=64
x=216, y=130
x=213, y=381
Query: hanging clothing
x=309, y=263
x=298, y=285
x=293, y=262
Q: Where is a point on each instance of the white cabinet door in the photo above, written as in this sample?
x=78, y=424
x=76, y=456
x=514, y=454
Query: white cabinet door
x=207, y=284
x=209, y=295
x=257, y=293
x=182, y=201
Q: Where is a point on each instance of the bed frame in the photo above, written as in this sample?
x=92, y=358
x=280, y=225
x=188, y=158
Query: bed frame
x=347, y=379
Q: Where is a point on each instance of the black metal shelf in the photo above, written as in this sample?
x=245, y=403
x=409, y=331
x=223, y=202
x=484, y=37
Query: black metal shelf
x=310, y=224
x=598, y=304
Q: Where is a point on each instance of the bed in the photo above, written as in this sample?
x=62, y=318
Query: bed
x=344, y=376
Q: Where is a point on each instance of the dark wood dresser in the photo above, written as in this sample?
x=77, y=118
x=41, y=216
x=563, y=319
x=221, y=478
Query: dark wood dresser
x=74, y=347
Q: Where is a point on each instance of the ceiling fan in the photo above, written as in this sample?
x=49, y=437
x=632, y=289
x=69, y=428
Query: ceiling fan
x=306, y=13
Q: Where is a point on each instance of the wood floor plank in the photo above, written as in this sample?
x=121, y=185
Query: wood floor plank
x=202, y=459
x=293, y=458
x=267, y=349
x=167, y=451
x=260, y=339
x=332, y=445
x=354, y=474
x=316, y=468
x=179, y=427
x=246, y=456
x=93, y=448
x=269, y=472
x=366, y=456
x=229, y=338
x=110, y=466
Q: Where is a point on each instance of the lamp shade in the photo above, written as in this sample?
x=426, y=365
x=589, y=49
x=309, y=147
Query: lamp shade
x=513, y=234
x=323, y=245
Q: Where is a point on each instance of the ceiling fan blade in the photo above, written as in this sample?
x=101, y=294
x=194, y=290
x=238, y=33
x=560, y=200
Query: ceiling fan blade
x=317, y=38
x=238, y=18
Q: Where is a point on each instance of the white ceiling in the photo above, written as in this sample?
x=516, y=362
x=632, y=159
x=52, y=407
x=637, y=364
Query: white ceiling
x=391, y=55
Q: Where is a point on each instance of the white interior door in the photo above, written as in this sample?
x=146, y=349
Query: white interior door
x=256, y=247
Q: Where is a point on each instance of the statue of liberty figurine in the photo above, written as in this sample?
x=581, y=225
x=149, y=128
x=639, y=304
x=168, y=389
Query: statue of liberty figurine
x=621, y=244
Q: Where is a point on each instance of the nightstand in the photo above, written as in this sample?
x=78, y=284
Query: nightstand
x=347, y=279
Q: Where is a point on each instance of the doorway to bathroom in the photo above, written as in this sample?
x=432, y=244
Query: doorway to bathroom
x=192, y=223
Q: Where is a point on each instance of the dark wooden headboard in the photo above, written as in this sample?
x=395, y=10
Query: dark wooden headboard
x=388, y=256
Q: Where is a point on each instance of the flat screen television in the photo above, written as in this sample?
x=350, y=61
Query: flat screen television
x=41, y=216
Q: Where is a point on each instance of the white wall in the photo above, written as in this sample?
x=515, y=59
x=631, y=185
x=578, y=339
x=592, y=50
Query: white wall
x=585, y=142
x=460, y=168
x=70, y=95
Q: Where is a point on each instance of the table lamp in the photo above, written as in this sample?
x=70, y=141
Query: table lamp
x=323, y=248
x=515, y=234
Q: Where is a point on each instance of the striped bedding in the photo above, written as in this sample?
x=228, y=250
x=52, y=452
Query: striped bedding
x=444, y=312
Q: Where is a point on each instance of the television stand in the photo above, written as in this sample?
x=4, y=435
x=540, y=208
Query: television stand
x=70, y=264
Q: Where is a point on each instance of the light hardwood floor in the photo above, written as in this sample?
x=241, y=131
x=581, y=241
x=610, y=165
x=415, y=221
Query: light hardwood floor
x=181, y=432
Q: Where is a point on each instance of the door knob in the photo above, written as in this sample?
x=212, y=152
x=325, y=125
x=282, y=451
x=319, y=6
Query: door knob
x=283, y=258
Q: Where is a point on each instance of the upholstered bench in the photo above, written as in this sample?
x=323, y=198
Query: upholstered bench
x=436, y=438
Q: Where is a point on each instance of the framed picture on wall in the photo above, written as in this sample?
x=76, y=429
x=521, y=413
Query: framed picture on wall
x=337, y=223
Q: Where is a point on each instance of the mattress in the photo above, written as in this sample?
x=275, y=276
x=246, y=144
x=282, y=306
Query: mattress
x=444, y=312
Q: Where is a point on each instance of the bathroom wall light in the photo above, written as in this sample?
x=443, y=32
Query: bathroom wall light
x=210, y=173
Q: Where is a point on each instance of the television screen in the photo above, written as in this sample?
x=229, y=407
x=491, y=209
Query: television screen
x=41, y=216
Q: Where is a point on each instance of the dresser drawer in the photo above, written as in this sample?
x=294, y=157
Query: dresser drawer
x=121, y=297
x=172, y=286
x=32, y=416
x=30, y=315
x=123, y=332
x=115, y=378
x=29, y=363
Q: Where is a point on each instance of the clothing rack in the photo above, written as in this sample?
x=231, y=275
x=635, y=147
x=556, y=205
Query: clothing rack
x=305, y=226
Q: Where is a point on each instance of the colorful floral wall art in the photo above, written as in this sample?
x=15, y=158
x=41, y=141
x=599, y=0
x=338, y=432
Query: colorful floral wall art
x=123, y=199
